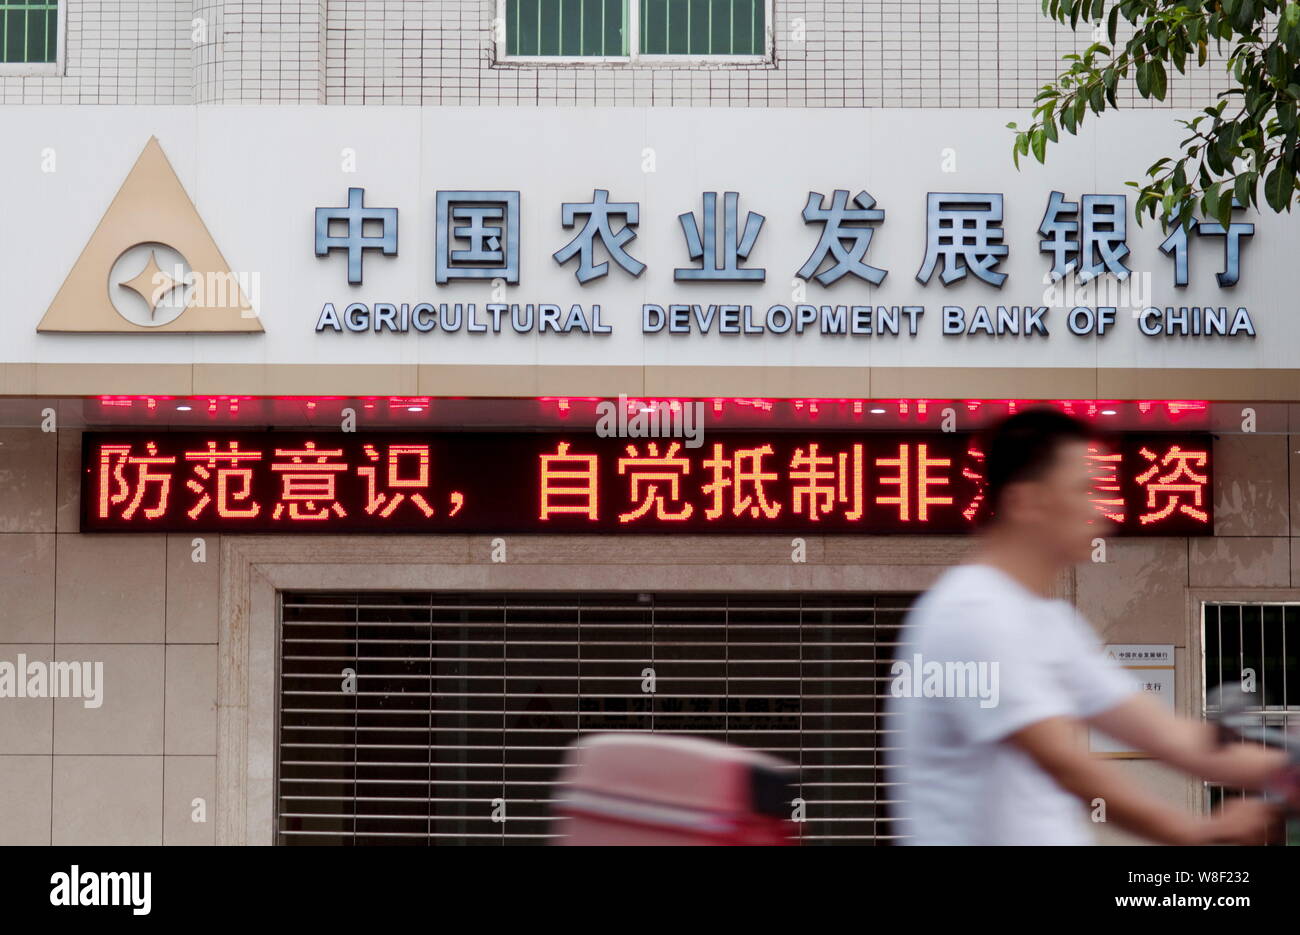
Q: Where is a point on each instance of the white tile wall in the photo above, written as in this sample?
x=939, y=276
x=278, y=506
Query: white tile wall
x=829, y=53
x=117, y=52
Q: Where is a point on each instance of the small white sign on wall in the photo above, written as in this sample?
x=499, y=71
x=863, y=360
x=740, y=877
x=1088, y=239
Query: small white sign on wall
x=1152, y=666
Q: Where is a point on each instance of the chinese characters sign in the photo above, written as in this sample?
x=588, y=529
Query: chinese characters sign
x=1085, y=242
x=478, y=237
x=570, y=482
x=1154, y=672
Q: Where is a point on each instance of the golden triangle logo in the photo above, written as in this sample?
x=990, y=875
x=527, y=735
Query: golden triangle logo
x=151, y=265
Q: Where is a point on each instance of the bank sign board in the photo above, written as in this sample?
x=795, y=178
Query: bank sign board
x=478, y=239
x=631, y=241
x=574, y=482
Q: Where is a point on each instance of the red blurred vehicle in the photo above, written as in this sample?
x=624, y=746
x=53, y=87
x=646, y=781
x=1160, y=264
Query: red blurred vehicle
x=660, y=789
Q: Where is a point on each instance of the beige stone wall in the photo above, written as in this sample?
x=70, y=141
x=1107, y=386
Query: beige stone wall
x=130, y=771
x=125, y=773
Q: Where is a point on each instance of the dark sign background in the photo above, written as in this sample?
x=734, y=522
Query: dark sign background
x=498, y=478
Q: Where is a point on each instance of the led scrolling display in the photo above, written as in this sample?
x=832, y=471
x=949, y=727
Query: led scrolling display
x=544, y=482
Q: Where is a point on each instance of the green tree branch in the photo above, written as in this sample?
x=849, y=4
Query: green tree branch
x=1227, y=152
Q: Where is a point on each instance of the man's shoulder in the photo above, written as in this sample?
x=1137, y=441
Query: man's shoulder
x=969, y=586
x=971, y=605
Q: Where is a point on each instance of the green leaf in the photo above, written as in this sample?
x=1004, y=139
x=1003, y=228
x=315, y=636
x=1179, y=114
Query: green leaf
x=1068, y=121
x=1210, y=202
x=1039, y=144
x=1241, y=187
x=1223, y=208
x=1096, y=99
x=1212, y=160
x=1144, y=79
x=1159, y=80
x=1278, y=187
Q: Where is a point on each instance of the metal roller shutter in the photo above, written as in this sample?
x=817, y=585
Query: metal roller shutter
x=462, y=703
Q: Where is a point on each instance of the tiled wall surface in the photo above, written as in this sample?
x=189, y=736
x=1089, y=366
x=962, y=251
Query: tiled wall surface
x=143, y=766
x=268, y=51
x=828, y=53
x=117, y=52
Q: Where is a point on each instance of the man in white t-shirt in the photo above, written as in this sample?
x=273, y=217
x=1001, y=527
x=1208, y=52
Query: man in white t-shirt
x=997, y=682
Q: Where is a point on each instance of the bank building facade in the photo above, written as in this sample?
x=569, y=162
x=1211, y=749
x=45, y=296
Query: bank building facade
x=393, y=393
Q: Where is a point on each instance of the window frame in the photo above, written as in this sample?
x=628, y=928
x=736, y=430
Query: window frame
x=54, y=69
x=634, y=56
x=1287, y=712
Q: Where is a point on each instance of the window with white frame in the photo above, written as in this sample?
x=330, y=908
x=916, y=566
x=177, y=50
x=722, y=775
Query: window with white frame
x=622, y=30
x=30, y=36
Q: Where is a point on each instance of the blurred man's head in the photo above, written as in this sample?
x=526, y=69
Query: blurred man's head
x=1039, y=483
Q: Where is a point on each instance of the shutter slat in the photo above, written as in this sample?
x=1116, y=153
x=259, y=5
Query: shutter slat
x=464, y=699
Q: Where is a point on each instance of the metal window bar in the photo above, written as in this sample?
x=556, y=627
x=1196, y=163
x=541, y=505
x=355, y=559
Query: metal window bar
x=538, y=27
x=702, y=27
x=1257, y=644
x=466, y=700
x=28, y=31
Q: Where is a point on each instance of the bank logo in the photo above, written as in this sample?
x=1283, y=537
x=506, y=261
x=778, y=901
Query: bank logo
x=146, y=293
x=151, y=265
